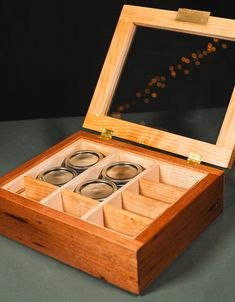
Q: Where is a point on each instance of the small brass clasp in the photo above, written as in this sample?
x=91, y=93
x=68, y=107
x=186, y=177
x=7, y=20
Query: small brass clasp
x=106, y=134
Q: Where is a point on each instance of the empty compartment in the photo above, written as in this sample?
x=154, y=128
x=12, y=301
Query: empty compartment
x=71, y=203
x=160, y=191
x=111, y=216
x=143, y=205
x=123, y=221
x=148, y=196
x=178, y=176
x=76, y=204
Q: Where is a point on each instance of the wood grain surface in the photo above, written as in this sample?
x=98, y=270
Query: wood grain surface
x=36, y=189
x=95, y=250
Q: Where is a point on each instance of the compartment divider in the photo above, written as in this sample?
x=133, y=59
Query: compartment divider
x=76, y=204
x=54, y=201
x=36, y=189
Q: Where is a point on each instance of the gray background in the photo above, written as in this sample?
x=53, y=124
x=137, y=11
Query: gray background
x=204, y=272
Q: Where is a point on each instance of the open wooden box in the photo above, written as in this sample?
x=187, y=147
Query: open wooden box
x=134, y=234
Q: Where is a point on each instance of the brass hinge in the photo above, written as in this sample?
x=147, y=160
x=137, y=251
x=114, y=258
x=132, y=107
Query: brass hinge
x=194, y=159
x=106, y=134
x=192, y=15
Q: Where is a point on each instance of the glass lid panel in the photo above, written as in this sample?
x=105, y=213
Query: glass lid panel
x=176, y=82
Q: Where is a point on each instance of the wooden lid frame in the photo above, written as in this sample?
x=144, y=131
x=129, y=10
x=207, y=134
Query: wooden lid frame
x=223, y=152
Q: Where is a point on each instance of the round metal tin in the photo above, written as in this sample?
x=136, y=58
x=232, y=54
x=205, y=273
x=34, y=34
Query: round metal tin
x=121, y=172
x=82, y=160
x=97, y=189
x=57, y=176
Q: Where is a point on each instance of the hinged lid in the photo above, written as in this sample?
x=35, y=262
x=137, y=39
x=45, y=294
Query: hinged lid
x=219, y=36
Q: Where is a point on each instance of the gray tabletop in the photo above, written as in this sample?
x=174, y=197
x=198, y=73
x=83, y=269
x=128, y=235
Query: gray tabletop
x=204, y=272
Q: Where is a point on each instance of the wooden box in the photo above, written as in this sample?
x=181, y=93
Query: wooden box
x=134, y=234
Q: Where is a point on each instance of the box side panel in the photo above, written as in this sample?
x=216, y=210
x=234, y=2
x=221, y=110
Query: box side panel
x=103, y=258
x=171, y=240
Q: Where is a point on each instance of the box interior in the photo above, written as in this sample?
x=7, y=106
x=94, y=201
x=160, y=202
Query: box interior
x=129, y=210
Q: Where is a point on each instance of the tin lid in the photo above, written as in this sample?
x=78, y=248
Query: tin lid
x=82, y=159
x=57, y=176
x=173, y=53
x=121, y=172
x=97, y=189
